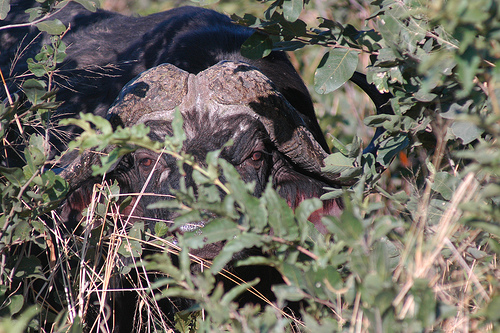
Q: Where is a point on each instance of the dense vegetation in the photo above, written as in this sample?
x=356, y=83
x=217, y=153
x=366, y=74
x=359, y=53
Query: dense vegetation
x=417, y=246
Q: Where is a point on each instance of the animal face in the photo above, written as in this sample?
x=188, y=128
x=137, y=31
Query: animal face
x=228, y=101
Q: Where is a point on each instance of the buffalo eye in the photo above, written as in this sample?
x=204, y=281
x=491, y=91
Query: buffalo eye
x=146, y=162
x=256, y=156
x=256, y=159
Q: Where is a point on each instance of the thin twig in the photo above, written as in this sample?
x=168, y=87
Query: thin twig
x=29, y=24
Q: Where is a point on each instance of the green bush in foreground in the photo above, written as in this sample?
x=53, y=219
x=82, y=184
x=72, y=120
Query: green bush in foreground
x=417, y=256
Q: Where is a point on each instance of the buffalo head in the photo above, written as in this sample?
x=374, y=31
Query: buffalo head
x=230, y=100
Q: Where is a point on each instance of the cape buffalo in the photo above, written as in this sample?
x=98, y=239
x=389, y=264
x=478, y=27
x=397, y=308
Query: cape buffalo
x=187, y=59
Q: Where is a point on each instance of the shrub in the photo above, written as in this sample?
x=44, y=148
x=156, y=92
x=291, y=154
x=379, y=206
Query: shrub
x=415, y=249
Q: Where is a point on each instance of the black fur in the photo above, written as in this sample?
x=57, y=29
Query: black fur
x=106, y=50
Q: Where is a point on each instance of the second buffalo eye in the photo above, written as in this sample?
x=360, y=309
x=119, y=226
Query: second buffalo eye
x=146, y=162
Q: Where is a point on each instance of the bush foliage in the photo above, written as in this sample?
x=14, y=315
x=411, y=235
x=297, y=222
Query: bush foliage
x=416, y=248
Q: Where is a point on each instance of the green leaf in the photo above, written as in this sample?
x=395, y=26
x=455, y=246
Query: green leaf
x=288, y=45
x=445, y=184
x=281, y=217
x=162, y=262
x=466, y=131
x=323, y=279
x=20, y=323
x=177, y=127
x=131, y=245
x=239, y=243
x=53, y=27
x=242, y=193
x=425, y=300
x=333, y=193
x=306, y=208
x=36, y=68
x=34, y=89
x=186, y=321
x=292, y=9
x=391, y=147
x=492, y=310
x=257, y=46
x=192, y=216
x=289, y=30
x=347, y=227
x=4, y=8
x=336, y=67
x=289, y=293
x=89, y=4
x=34, y=157
x=424, y=96
x=344, y=166
x=14, y=175
x=238, y=290
x=13, y=305
x=491, y=227
x=386, y=57
x=491, y=191
x=161, y=229
x=294, y=275
x=219, y=229
x=467, y=66
x=29, y=267
x=384, y=225
x=60, y=52
x=337, y=144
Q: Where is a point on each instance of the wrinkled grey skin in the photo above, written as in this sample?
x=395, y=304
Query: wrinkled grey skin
x=230, y=100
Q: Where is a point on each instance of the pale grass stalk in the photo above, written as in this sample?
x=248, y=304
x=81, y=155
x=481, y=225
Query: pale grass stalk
x=202, y=310
x=492, y=96
x=96, y=195
x=378, y=321
x=471, y=277
x=116, y=239
x=448, y=223
x=148, y=287
x=417, y=229
x=359, y=322
x=101, y=288
x=337, y=308
x=339, y=313
x=126, y=237
x=65, y=275
x=461, y=323
x=114, y=244
x=355, y=314
x=409, y=303
x=404, y=290
x=447, y=226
